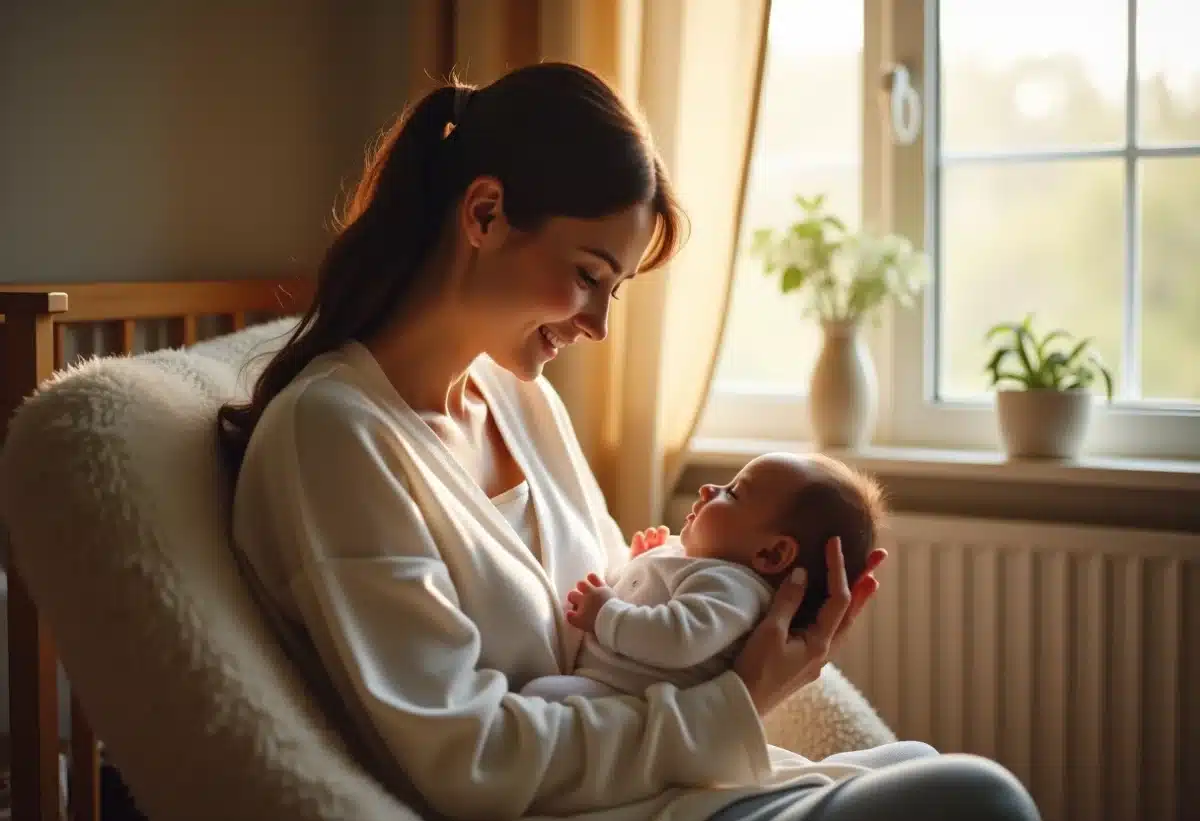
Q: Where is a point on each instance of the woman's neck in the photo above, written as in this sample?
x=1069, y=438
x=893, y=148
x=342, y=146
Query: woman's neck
x=427, y=353
x=427, y=362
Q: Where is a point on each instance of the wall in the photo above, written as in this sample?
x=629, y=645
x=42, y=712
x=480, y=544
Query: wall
x=190, y=139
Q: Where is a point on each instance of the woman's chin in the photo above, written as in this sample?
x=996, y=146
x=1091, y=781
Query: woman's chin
x=525, y=365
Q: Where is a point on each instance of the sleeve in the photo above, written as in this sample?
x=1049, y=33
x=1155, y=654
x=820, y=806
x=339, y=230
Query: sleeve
x=383, y=612
x=707, y=612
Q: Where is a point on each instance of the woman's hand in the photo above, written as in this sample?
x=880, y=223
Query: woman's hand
x=648, y=539
x=775, y=662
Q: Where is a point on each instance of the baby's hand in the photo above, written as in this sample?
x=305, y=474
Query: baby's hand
x=585, y=602
x=648, y=540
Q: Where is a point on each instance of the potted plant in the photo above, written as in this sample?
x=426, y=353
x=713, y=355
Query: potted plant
x=842, y=278
x=1045, y=410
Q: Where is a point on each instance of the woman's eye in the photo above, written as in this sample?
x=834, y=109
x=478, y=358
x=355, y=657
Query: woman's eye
x=592, y=282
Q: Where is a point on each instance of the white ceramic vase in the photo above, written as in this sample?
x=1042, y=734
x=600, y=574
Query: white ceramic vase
x=844, y=392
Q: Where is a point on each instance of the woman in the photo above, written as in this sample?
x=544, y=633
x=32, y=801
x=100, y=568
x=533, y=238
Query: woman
x=413, y=502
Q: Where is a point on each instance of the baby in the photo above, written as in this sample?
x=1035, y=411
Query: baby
x=680, y=609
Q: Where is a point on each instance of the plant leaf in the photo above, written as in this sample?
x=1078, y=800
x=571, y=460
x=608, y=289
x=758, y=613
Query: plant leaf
x=792, y=279
x=1105, y=374
x=1079, y=348
x=1048, y=338
x=1011, y=376
x=1082, y=381
x=761, y=238
x=998, y=358
x=1011, y=327
x=808, y=230
x=1025, y=337
x=1052, y=368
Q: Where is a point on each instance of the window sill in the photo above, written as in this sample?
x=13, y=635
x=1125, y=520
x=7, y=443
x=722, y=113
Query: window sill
x=968, y=465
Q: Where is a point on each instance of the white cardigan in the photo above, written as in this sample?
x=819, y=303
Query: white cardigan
x=428, y=612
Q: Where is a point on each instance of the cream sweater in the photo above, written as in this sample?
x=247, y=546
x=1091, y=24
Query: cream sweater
x=673, y=618
x=427, y=612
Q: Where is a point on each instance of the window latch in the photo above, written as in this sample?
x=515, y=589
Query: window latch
x=905, y=105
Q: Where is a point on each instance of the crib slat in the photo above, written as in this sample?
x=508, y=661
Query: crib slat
x=85, y=767
x=60, y=343
x=181, y=332
x=239, y=320
x=128, y=335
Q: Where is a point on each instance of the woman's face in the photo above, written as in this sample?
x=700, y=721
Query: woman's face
x=530, y=294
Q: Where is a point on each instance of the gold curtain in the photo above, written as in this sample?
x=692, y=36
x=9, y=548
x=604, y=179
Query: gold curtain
x=694, y=67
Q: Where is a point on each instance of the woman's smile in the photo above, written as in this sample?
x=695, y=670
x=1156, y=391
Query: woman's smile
x=552, y=341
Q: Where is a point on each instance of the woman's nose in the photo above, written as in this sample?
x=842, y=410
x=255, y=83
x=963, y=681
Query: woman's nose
x=706, y=493
x=593, y=319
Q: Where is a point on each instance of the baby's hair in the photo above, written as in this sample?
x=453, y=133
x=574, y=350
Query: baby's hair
x=836, y=500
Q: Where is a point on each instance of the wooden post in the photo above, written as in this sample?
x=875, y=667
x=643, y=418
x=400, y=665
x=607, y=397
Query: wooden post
x=26, y=359
x=85, y=767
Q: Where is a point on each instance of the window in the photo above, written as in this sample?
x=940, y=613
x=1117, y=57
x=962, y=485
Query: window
x=1057, y=173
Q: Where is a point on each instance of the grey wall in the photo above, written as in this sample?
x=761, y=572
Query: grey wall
x=182, y=138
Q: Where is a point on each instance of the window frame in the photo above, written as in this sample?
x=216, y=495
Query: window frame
x=896, y=181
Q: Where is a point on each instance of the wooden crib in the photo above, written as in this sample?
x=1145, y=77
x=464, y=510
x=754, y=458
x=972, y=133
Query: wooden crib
x=33, y=345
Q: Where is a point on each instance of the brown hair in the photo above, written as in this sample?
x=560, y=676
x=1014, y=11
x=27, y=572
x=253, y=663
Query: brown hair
x=836, y=500
x=556, y=136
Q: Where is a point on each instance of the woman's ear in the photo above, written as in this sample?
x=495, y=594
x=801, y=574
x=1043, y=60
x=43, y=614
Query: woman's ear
x=777, y=557
x=483, y=212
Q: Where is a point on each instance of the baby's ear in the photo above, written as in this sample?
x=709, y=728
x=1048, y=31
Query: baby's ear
x=776, y=557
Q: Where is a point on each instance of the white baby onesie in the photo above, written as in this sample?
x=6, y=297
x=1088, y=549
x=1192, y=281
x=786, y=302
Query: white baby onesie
x=674, y=618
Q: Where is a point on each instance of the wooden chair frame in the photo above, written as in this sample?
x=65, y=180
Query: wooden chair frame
x=35, y=320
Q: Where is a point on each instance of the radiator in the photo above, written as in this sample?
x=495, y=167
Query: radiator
x=1069, y=654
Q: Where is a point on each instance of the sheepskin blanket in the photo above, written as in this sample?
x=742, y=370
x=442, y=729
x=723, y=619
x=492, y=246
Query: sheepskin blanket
x=118, y=519
x=828, y=716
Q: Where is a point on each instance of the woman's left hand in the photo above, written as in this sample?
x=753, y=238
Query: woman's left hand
x=775, y=662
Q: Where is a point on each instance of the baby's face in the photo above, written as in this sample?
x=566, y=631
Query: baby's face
x=738, y=521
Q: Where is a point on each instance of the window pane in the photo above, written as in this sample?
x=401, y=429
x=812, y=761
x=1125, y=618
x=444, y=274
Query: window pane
x=1171, y=279
x=808, y=142
x=1169, y=70
x=1041, y=238
x=1032, y=74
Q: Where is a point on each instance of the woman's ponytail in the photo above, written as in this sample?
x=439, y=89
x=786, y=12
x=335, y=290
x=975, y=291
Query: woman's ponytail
x=385, y=232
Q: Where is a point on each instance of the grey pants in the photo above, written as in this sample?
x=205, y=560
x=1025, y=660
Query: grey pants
x=911, y=782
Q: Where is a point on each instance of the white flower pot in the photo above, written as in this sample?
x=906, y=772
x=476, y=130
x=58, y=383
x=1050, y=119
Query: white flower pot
x=1043, y=424
x=843, y=395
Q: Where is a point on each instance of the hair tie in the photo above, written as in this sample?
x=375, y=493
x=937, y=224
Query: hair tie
x=462, y=96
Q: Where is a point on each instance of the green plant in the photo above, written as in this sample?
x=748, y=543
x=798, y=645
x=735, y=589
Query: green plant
x=1054, y=362
x=844, y=275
